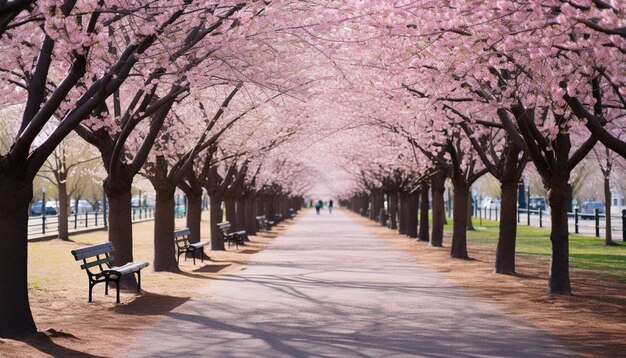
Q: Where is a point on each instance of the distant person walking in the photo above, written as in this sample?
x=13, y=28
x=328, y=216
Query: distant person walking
x=318, y=206
x=330, y=207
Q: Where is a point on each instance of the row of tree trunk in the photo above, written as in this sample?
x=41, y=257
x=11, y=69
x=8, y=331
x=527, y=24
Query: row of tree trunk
x=406, y=211
x=409, y=211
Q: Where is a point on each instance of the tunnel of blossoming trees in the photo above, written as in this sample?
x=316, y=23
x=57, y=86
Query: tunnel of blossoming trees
x=261, y=104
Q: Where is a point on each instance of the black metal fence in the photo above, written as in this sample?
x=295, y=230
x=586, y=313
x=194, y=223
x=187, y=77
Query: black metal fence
x=590, y=224
x=44, y=225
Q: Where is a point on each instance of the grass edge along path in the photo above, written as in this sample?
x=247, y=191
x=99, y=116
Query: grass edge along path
x=587, y=253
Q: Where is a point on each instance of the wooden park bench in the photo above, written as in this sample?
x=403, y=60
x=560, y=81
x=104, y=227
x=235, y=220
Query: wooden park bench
x=98, y=263
x=183, y=246
x=237, y=237
x=263, y=223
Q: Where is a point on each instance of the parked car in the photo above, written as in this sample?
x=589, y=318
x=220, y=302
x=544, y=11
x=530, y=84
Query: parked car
x=84, y=206
x=141, y=201
x=537, y=203
x=588, y=209
x=490, y=203
x=37, y=205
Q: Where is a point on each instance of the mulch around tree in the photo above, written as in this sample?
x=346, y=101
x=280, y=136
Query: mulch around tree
x=592, y=321
x=69, y=326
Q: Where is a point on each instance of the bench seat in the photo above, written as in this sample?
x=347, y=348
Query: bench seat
x=128, y=268
x=183, y=246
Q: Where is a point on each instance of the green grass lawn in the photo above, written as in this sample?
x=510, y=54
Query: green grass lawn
x=586, y=253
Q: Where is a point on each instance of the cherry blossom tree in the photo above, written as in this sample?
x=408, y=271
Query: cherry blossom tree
x=49, y=49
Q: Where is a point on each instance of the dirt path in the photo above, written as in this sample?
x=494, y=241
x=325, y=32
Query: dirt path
x=330, y=286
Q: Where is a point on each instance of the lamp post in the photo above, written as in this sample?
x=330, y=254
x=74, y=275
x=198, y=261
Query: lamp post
x=43, y=209
x=528, y=205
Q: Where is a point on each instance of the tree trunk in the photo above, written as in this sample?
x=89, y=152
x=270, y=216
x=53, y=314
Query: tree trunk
x=250, y=221
x=393, y=210
x=16, y=319
x=403, y=226
x=608, y=239
x=366, y=205
x=374, y=209
x=412, y=205
x=505, y=251
x=470, y=224
x=423, y=231
x=559, y=282
x=269, y=208
x=240, y=214
x=217, y=216
x=231, y=212
x=194, y=216
x=63, y=210
x=164, y=251
x=438, y=188
x=121, y=225
x=459, y=221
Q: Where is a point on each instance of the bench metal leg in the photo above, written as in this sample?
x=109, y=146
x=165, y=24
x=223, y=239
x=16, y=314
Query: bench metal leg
x=193, y=253
x=117, y=285
x=91, y=284
x=202, y=255
x=106, y=288
x=139, y=281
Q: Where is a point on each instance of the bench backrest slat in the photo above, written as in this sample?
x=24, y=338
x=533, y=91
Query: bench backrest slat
x=94, y=250
x=225, y=224
x=181, y=237
x=106, y=260
x=182, y=232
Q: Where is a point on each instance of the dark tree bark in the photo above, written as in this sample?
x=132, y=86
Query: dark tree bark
x=393, y=210
x=438, y=188
x=608, y=238
x=118, y=193
x=374, y=205
x=424, y=208
x=240, y=215
x=231, y=211
x=16, y=319
x=459, y=227
x=505, y=251
x=63, y=209
x=164, y=251
x=366, y=204
x=250, y=217
x=217, y=216
x=192, y=188
x=559, y=282
x=403, y=226
x=412, y=205
x=470, y=212
x=194, y=216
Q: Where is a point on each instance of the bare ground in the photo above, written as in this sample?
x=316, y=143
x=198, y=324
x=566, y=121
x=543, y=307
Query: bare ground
x=69, y=326
x=592, y=322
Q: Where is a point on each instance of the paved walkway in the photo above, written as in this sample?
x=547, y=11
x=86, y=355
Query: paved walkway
x=330, y=288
